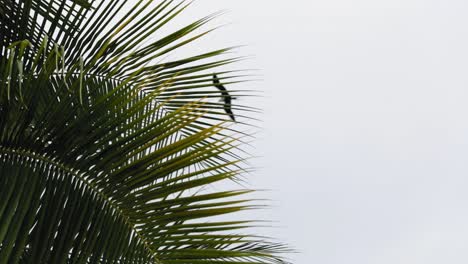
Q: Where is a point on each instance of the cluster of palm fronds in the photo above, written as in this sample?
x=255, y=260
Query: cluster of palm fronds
x=106, y=148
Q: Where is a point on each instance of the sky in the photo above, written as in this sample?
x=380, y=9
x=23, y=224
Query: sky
x=364, y=140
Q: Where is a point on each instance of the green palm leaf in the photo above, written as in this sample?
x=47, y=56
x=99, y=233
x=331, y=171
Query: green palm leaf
x=106, y=149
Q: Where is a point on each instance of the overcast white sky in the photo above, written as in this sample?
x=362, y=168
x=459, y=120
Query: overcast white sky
x=365, y=141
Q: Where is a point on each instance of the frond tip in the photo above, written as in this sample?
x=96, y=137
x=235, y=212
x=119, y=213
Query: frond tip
x=106, y=153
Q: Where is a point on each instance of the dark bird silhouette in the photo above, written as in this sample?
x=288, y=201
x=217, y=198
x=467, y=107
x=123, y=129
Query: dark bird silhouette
x=227, y=98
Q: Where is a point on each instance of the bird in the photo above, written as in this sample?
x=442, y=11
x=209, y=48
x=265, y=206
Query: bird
x=227, y=98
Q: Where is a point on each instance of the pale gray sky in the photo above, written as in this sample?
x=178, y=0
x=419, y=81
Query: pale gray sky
x=365, y=141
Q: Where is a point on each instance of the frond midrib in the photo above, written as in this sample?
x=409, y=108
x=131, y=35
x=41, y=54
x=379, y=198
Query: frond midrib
x=75, y=172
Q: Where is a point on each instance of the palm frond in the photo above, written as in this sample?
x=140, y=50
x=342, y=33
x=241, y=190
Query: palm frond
x=105, y=150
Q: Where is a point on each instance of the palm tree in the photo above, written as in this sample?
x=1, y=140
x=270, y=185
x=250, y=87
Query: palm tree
x=107, y=149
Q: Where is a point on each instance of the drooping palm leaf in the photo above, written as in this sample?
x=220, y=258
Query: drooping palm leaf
x=105, y=149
